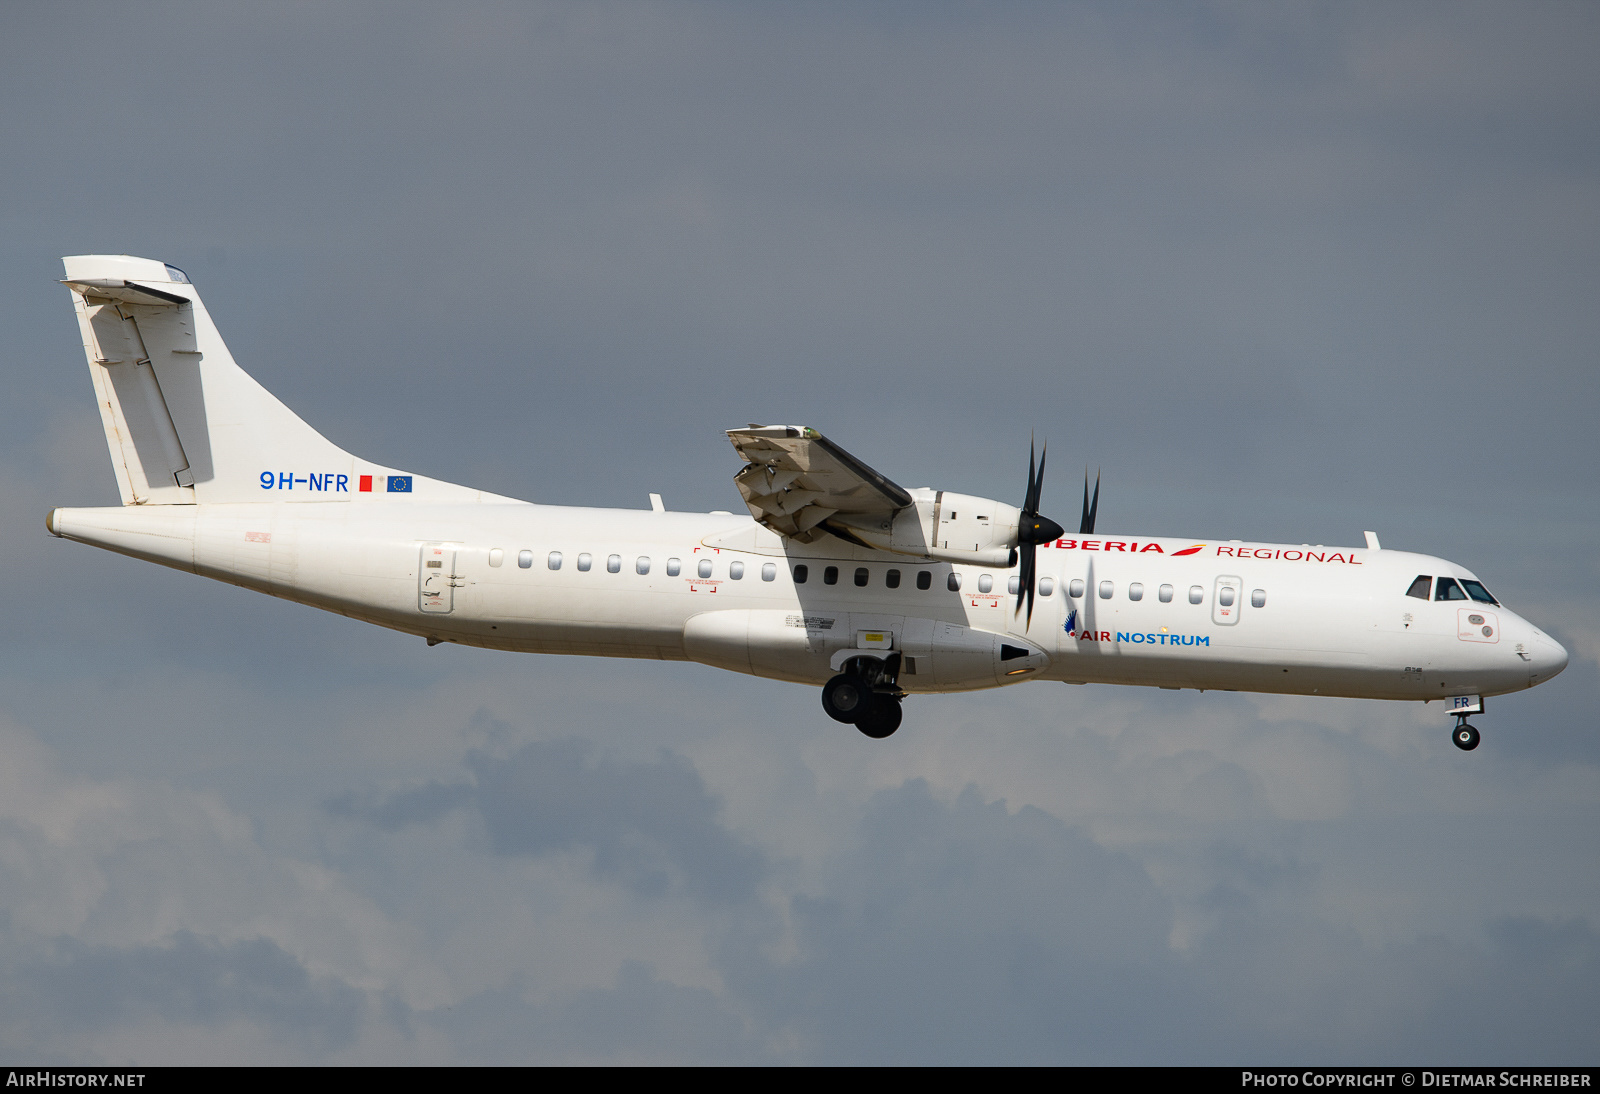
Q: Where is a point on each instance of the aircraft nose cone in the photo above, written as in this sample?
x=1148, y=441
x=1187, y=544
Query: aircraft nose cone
x=1549, y=658
x=1038, y=530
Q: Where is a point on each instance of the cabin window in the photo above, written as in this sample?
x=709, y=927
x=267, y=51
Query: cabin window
x=861, y=577
x=924, y=579
x=1107, y=588
x=585, y=560
x=985, y=583
x=769, y=571
x=641, y=565
x=1448, y=590
x=1478, y=592
x=953, y=582
x=1419, y=587
x=1164, y=594
x=1225, y=596
x=704, y=569
x=1197, y=593
x=801, y=572
x=496, y=557
x=892, y=579
x=1075, y=587
x=1014, y=584
x=830, y=575
x=554, y=561
x=1258, y=598
x=736, y=571
x=613, y=564
x=1136, y=591
x=674, y=567
x=525, y=559
x=1047, y=585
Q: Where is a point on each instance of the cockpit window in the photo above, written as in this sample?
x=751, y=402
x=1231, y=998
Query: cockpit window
x=1448, y=590
x=1419, y=587
x=1476, y=590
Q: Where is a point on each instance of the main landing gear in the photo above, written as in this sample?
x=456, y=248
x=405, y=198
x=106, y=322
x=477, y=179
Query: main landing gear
x=1465, y=737
x=866, y=696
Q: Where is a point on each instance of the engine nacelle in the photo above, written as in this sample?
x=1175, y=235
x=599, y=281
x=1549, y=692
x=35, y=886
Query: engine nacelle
x=942, y=525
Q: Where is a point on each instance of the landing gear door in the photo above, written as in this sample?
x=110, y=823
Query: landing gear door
x=1225, y=601
x=437, y=580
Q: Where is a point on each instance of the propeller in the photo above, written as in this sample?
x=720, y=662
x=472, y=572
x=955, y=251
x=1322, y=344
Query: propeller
x=1086, y=525
x=1033, y=530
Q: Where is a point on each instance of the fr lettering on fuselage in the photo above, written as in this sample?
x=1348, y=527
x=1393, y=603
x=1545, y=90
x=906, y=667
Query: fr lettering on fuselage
x=838, y=577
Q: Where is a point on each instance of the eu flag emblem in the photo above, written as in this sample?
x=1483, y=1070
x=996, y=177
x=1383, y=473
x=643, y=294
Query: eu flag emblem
x=399, y=484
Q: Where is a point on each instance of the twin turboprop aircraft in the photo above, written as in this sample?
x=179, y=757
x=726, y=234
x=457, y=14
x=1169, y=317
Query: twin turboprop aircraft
x=839, y=577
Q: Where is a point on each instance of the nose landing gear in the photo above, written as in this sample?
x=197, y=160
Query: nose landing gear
x=1465, y=737
x=866, y=696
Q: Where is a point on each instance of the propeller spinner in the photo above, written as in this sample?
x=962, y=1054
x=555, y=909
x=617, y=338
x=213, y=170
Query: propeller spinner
x=1033, y=530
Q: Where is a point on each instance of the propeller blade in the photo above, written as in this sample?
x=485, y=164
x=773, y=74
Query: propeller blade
x=1028, y=580
x=1025, y=556
x=1038, y=484
x=1086, y=526
x=1033, y=529
x=1027, y=495
x=1028, y=563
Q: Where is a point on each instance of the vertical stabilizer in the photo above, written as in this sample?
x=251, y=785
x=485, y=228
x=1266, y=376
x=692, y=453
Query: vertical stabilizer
x=184, y=423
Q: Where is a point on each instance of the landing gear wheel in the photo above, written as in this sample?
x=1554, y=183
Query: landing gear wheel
x=881, y=718
x=846, y=698
x=1465, y=737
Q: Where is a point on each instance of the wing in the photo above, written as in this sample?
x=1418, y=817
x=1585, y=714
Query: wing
x=794, y=479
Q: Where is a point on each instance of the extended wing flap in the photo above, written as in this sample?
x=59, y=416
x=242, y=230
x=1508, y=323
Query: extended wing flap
x=794, y=479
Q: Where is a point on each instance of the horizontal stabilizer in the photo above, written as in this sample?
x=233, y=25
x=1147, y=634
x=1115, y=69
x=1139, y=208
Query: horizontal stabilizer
x=126, y=292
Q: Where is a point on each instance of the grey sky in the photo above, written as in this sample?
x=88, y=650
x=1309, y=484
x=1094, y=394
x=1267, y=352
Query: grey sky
x=1284, y=272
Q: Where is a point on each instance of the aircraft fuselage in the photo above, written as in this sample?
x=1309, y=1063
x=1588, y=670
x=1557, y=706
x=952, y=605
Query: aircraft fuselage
x=720, y=589
x=839, y=576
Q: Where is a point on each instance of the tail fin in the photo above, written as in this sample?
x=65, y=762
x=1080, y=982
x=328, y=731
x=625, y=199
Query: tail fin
x=184, y=423
x=187, y=425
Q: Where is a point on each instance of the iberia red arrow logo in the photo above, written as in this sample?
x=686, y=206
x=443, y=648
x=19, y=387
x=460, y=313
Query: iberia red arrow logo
x=1189, y=550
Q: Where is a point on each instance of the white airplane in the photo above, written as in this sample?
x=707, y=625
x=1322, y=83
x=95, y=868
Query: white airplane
x=839, y=577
